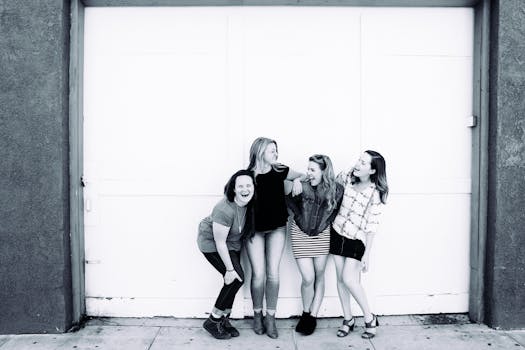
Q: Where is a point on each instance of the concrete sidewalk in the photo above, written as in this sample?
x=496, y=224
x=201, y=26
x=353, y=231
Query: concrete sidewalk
x=440, y=332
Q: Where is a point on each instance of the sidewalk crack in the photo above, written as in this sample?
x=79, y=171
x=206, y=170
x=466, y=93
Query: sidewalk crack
x=153, y=340
x=294, y=340
x=516, y=340
x=371, y=343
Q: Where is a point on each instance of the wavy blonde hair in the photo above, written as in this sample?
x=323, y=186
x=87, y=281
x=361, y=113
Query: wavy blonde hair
x=257, y=149
x=327, y=183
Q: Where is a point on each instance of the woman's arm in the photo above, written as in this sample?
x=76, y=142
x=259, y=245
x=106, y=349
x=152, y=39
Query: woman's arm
x=220, y=233
x=293, y=175
x=372, y=224
x=339, y=193
x=365, y=261
x=296, y=177
x=344, y=177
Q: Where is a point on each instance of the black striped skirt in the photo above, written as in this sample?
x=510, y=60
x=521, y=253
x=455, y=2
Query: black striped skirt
x=304, y=246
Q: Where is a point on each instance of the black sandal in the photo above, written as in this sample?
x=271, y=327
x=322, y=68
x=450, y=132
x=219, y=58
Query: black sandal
x=346, y=327
x=370, y=328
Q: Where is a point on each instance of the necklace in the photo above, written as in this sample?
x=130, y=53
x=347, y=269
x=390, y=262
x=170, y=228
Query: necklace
x=360, y=187
x=240, y=220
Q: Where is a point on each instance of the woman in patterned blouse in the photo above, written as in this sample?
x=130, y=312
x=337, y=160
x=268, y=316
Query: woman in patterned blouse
x=352, y=233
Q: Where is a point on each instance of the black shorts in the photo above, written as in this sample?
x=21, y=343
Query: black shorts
x=349, y=248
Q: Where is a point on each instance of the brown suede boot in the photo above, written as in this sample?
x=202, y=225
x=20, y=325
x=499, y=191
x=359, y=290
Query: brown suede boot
x=271, y=328
x=258, y=326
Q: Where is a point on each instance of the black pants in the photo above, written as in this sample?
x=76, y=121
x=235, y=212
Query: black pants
x=227, y=295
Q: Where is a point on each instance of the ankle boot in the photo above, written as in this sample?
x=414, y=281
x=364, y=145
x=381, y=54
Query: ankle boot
x=310, y=325
x=271, y=328
x=302, y=321
x=228, y=326
x=258, y=326
x=216, y=329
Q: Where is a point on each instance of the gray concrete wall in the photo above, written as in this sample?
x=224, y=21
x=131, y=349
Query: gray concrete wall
x=35, y=273
x=505, y=266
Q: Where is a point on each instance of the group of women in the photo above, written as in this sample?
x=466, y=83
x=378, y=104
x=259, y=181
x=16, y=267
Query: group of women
x=329, y=215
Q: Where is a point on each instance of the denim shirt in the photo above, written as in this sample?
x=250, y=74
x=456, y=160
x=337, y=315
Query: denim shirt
x=310, y=208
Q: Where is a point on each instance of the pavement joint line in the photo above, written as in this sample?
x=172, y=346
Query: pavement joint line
x=294, y=340
x=516, y=340
x=372, y=343
x=154, y=338
x=8, y=339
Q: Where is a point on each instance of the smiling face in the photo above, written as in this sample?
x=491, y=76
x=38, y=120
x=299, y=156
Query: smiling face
x=363, y=168
x=314, y=173
x=243, y=189
x=270, y=153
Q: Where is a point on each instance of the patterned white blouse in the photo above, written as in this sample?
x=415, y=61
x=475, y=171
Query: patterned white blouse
x=359, y=213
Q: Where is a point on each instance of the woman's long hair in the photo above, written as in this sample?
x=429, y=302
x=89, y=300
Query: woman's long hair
x=248, y=229
x=379, y=177
x=257, y=154
x=327, y=183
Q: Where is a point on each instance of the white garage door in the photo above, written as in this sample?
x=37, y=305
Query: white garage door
x=173, y=98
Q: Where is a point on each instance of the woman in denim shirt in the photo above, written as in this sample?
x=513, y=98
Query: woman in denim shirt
x=313, y=212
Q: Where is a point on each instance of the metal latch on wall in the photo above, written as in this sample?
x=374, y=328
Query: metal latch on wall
x=472, y=121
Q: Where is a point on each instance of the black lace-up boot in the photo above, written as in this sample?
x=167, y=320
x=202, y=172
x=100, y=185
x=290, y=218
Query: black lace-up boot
x=228, y=326
x=215, y=328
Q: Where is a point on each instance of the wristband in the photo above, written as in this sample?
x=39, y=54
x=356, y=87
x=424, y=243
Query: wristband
x=230, y=270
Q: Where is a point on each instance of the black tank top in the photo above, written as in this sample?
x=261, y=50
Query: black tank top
x=270, y=205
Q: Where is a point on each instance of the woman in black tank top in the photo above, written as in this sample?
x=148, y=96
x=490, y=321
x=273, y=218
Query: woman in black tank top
x=265, y=247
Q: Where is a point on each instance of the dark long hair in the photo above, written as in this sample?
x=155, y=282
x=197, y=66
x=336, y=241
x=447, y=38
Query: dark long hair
x=379, y=177
x=248, y=229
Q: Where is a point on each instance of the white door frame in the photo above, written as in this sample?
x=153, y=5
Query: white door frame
x=479, y=140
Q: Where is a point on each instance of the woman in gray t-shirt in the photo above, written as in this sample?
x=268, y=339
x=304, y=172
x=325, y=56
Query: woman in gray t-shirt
x=219, y=239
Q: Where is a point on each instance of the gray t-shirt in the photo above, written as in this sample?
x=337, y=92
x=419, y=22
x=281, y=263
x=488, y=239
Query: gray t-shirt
x=228, y=214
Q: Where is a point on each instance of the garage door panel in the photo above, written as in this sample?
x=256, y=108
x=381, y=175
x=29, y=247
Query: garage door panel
x=148, y=85
x=297, y=31
x=432, y=259
x=145, y=84
x=157, y=250
x=391, y=32
x=431, y=136
x=422, y=85
x=155, y=30
x=302, y=78
x=161, y=113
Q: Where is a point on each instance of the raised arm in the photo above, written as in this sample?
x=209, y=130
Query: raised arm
x=344, y=176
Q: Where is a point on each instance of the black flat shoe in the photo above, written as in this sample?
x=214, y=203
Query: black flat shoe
x=302, y=322
x=310, y=325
